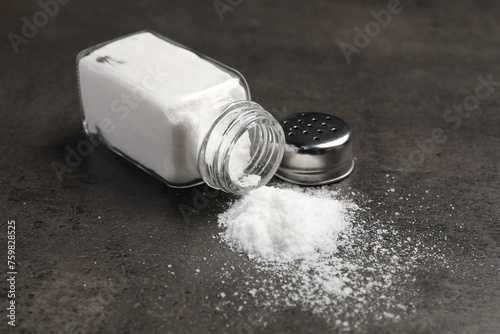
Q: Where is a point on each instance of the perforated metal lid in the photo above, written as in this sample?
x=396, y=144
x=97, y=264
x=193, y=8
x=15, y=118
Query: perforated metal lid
x=318, y=149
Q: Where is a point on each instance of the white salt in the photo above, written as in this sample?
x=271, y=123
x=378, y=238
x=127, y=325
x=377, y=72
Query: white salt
x=283, y=224
x=240, y=156
x=248, y=181
x=239, y=159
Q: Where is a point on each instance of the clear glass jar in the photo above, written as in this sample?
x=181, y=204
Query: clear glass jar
x=179, y=115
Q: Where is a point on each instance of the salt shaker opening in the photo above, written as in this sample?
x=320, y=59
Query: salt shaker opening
x=243, y=148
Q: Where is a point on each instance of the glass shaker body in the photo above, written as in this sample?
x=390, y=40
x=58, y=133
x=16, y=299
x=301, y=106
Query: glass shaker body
x=179, y=115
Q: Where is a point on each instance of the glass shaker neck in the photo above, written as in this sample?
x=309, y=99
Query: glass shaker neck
x=243, y=148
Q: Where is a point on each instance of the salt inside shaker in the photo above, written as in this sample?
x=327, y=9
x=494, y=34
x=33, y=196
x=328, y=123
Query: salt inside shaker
x=179, y=115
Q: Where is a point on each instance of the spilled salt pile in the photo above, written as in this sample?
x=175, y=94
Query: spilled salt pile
x=284, y=224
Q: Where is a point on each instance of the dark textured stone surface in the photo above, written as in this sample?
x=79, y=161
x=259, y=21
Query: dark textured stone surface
x=82, y=273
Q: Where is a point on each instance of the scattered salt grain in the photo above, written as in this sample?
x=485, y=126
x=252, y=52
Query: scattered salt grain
x=320, y=252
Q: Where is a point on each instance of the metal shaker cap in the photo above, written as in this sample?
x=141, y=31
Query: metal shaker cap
x=318, y=149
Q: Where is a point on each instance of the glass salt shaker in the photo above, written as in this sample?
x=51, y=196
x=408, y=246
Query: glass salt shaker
x=177, y=114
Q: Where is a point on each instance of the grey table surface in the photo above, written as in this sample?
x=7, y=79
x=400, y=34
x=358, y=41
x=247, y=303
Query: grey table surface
x=93, y=249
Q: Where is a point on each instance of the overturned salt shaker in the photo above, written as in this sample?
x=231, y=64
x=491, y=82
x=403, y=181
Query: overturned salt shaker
x=177, y=114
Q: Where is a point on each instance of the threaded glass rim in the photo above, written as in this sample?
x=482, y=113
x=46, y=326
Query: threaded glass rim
x=267, y=147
